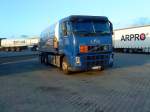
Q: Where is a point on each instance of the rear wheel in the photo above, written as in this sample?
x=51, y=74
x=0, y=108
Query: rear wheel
x=12, y=49
x=41, y=58
x=130, y=51
x=6, y=49
x=17, y=49
x=46, y=59
x=65, y=66
x=125, y=50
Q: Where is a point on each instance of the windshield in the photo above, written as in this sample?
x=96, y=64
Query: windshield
x=91, y=27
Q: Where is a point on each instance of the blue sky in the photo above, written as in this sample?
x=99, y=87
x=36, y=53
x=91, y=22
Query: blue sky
x=30, y=17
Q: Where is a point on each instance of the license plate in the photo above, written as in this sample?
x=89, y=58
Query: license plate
x=96, y=67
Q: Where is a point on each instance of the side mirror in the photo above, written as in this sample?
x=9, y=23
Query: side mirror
x=111, y=27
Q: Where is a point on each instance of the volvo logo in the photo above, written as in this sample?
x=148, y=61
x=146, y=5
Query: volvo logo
x=95, y=41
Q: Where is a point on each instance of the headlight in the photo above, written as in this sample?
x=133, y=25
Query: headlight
x=78, y=60
x=106, y=47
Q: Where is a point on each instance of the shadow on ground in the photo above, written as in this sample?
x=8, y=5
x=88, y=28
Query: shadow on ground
x=120, y=61
x=130, y=60
x=21, y=67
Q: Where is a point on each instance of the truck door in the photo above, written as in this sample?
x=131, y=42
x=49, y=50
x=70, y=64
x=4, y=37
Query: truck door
x=66, y=39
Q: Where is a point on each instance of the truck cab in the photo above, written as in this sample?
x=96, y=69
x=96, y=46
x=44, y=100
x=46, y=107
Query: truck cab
x=82, y=43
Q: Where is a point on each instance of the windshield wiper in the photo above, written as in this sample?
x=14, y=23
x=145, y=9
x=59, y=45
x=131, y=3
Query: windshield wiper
x=85, y=32
x=103, y=32
x=95, y=48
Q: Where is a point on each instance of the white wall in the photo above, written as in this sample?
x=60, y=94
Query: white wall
x=133, y=43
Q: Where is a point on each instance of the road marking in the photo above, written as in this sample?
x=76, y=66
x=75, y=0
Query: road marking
x=6, y=63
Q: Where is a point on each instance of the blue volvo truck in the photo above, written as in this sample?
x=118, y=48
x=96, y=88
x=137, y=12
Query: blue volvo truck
x=78, y=43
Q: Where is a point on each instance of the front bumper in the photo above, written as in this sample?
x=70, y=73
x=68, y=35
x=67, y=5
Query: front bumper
x=92, y=61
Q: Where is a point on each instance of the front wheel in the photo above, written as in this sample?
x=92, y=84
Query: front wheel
x=65, y=66
x=102, y=68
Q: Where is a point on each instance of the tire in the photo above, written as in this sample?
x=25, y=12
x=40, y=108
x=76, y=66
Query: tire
x=6, y=49
x=130, y=51
x=12, y=49
x=41, y=58
x=65, y=66
x=46, y=59
x=125, y=50
x=102, y=68
x=17, y=49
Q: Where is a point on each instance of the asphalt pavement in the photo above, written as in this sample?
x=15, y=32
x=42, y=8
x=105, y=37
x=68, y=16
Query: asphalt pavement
x=28, y=86
x=16, y=56
x=4, y=54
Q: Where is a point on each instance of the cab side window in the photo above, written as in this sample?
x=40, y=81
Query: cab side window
x=65, y=29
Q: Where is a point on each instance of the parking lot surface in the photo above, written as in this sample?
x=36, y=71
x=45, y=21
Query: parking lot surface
x=15, y=56
x=28, y=86
x=4, y=54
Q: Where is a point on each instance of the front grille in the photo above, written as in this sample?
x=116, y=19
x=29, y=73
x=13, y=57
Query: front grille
x=98, y=57
x=100, y=48
x=98, y=60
